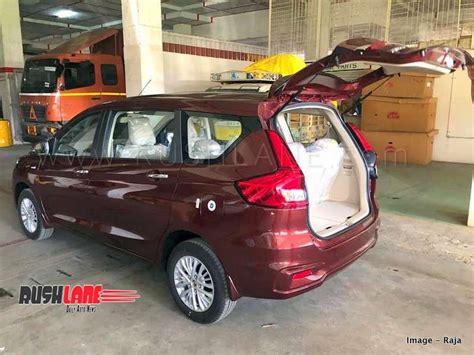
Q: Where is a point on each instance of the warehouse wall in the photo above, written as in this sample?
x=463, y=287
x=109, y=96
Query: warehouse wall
x=193, y=72
x=454, y=119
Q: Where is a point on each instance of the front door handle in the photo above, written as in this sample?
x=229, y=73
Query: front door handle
x=95, y=98
x=81, y=171
x=157, y=176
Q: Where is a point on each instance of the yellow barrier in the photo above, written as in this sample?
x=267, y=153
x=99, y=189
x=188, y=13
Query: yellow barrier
x=5, y=134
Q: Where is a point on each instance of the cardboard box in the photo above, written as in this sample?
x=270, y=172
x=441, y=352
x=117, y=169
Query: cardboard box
x=306, y=134
x=305, y=119
x=402, y=147
x=306, y=128
x=407, y=85
x=401, y=115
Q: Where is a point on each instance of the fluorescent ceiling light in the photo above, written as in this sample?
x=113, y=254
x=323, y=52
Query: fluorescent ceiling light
x=65, y=13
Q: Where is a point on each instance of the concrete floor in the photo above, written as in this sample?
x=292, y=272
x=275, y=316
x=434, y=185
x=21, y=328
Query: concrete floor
x=439, y=191
x=417, y=282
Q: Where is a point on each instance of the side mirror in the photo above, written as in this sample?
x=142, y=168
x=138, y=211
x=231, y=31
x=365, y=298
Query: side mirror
x=41, y=148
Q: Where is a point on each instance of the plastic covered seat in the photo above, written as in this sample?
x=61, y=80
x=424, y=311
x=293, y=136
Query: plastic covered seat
x=141, y=141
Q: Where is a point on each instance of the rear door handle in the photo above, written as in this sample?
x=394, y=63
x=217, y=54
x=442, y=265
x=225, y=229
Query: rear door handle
x=81, y=171
x=157, y=176
x=95, y=98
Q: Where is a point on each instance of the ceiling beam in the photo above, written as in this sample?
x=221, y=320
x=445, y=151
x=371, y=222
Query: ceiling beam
x=187, y=15
x=193, y=6
x=54, y=23
x=107, y=24
x=73, y=34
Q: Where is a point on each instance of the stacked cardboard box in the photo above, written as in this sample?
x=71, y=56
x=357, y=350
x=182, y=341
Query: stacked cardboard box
x=307, y=128
x=398, y=118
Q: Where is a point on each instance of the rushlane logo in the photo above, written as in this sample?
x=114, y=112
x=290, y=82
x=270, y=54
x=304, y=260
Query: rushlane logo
x=78, y=298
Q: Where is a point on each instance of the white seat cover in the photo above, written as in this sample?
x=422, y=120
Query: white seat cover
x=142, y=141
x=320, y=164
x=140, y=131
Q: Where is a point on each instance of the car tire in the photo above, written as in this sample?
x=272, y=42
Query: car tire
x=31, y=216
x=197, y=253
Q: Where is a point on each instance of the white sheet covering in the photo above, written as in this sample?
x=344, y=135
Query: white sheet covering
x=320, y=163
x=140, y=131
x=142, y=141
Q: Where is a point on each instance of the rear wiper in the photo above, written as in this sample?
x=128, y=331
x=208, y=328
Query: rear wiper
x=357, y=102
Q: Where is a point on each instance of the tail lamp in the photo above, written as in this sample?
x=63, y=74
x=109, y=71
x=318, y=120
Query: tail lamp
x=283, y=188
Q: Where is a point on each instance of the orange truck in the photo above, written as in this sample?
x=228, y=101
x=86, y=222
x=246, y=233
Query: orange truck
x=82, y=72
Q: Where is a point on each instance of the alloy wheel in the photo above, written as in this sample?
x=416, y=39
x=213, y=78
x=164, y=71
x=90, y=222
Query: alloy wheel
x=193, y=283
x=28, y=214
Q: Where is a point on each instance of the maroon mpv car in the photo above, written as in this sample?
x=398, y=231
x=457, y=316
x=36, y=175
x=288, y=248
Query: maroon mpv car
x=237, y=195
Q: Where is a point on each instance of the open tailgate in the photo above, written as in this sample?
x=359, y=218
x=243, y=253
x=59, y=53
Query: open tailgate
x=317, y=82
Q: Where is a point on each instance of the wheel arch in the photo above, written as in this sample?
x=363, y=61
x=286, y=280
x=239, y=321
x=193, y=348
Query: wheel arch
x=172, y=239
x=19, y=187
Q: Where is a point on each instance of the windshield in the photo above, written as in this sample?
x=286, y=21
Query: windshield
x=40, y=76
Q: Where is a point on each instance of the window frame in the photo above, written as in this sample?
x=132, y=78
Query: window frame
x=107, y=131
x=75, y=121
x=102, y=74
x=184, y=137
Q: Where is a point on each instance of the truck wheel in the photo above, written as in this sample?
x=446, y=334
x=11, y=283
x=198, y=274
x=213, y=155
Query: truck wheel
x=29, y=213
x=197, y=282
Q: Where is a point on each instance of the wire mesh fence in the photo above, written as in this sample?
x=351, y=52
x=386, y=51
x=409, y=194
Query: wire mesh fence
x=312, y=27
x=414, y=21
x=293, y=25
x=357, y=18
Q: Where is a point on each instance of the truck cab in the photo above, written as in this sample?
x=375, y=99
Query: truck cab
x=79, y=74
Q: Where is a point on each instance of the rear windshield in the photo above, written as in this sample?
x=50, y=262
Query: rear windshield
x=41, y=76
x=208, y=137
x=305, y=126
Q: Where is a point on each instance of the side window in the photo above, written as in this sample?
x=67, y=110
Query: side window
x=209, y=136
x=109, y=74
x=141, y=135
x=78, y=75
x=79, y=138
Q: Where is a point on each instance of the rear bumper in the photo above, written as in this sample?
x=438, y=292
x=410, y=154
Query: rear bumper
x=274, y=276
x=329, y=262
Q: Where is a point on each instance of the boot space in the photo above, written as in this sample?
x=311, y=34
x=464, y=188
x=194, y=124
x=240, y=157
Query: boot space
x=335, y=172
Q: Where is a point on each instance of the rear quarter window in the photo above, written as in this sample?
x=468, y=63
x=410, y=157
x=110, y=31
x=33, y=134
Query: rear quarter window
x=208, y=137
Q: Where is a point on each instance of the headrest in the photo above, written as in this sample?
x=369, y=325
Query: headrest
x=140, y=131
x=206, y=149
